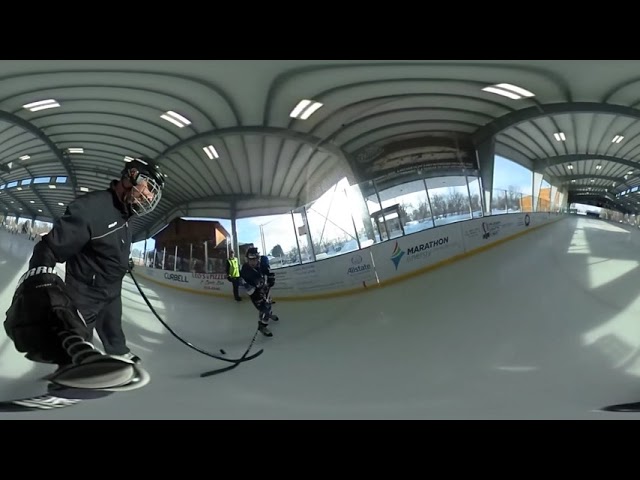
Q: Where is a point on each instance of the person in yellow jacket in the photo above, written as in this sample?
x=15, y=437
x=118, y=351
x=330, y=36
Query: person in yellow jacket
x=233, y=274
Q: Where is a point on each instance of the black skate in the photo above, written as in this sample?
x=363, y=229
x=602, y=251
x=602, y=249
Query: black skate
x=274, y=318
x=262, y=327
x=129, y=357
x=94, y=370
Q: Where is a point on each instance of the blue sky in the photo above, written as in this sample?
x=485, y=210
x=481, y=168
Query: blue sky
x=507, y=173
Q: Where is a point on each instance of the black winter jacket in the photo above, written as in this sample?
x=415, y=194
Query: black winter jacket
x=252, y=276
x=94, y=240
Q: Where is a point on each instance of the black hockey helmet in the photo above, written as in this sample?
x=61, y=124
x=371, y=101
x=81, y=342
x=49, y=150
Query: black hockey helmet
x=146, y=167
x=144, y=171
x=252, y=253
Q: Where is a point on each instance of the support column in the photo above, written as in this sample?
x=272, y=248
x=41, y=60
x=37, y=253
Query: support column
x=144, y=254
x=485, y=153
x=305, y=220
x=535, y=190
x=234, y=231
x=553, y=207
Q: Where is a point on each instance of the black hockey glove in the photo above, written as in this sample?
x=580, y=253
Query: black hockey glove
x=271, y=279
x=41, y=308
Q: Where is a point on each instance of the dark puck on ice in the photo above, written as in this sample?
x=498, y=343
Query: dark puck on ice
x=223, y=352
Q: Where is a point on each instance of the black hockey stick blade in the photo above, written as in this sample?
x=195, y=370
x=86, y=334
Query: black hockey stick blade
x=623, y=407
x=220, y=370
x=244, y=358
x=231, y=367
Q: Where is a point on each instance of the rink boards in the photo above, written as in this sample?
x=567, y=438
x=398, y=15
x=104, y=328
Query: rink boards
x=375, y=265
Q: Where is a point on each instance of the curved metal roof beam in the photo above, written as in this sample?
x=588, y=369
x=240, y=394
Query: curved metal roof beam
x=317, y=143
x=526, y=114
x=580, y=157
x=568, y=178
x=42, y=200
x=31, y=128
x=25, y=208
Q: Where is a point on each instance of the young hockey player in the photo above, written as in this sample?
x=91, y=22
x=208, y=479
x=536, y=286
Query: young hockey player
x=51, y=320
x=257, y=286
x=265, y=268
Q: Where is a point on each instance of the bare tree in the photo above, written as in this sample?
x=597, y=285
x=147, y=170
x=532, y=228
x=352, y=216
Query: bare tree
x=475, y=202
x=403, y=212
x=514, y=198
x=423, y=211
x=499, y=200
x=438, y=205
x=456, y=202
x=277, y=251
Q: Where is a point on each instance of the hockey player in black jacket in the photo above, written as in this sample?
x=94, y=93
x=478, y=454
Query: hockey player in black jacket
x=51, y=320
x=258, y=282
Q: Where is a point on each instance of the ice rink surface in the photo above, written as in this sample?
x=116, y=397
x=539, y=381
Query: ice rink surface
x=544, y=326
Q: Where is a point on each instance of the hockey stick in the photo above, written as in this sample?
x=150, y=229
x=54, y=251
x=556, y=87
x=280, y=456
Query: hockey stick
x=190, y=345
x=231, y=367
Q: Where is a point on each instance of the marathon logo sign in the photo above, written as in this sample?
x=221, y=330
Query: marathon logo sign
x=424, y=250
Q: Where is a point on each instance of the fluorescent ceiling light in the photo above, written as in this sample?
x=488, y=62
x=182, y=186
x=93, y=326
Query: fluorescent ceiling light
x=508, y=90
x=570, y=167
x=84, y=189
x=40, y=210
x=560, y=136
x=211, y=152
x=504, y=93
x=617, y=139
x=61, y=204
x=41, y=105
x=128, y=159
x=305, y=109
x=598, y=167
x=19, y=188
x=25, y=157
x=75, y=150
x=630, y=172
x=175, y=118
x=31, y=201
x=52, y=186
x=515, y=89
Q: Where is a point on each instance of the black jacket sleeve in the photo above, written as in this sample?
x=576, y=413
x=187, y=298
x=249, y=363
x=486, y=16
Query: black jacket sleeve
x=251, y=276
x=70, y=233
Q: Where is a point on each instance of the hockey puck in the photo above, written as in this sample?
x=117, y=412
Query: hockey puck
x=223, y=352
